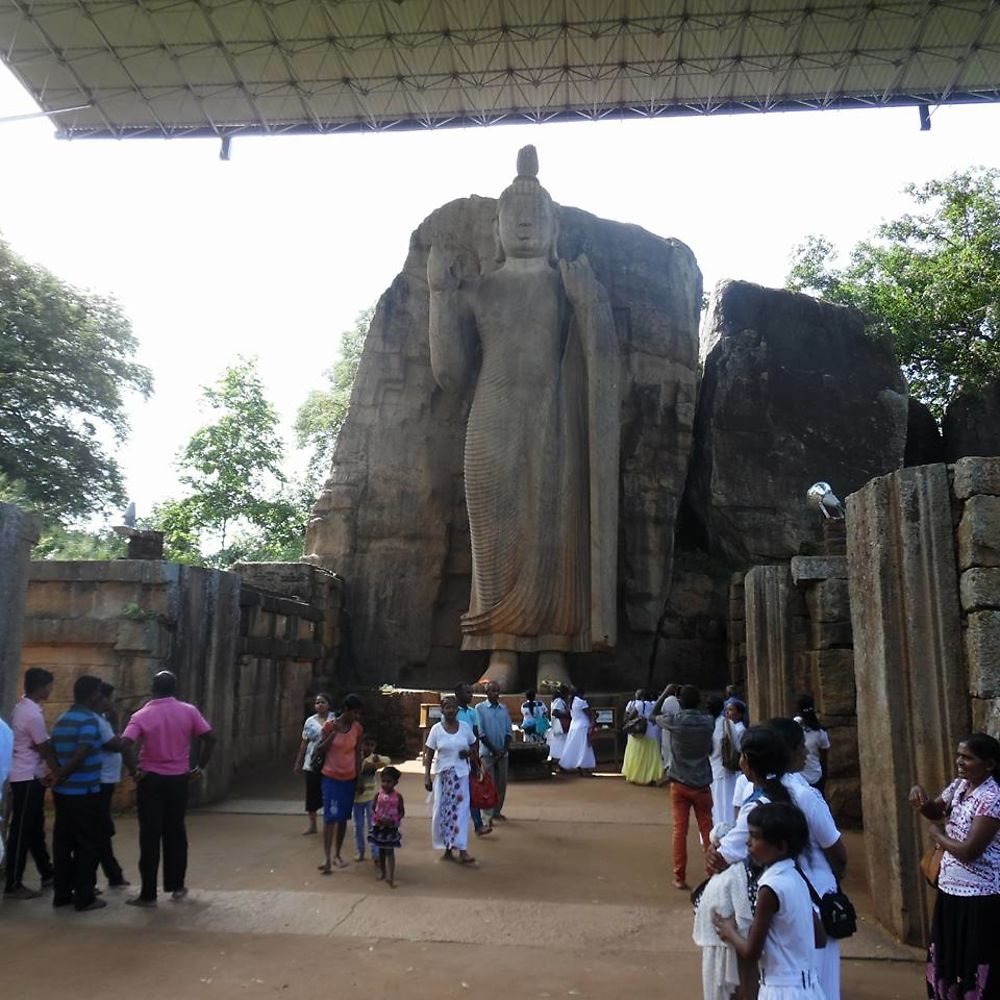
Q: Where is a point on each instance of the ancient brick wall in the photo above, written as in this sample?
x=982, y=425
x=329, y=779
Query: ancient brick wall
x=245, y=656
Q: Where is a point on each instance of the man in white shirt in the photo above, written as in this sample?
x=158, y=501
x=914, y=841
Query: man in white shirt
x=32, y=754
x=111, y=774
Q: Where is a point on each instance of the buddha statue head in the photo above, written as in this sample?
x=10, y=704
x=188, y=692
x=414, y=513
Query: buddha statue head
x=527, y=225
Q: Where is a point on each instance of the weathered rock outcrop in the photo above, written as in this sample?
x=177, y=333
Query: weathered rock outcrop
x=971, y=424
x=924, y=445
x=391, y=520
x=793, y=392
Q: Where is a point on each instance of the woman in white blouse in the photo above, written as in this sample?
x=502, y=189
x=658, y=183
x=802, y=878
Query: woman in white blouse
x=578, y=754
x=963, y=959
x=451, y=747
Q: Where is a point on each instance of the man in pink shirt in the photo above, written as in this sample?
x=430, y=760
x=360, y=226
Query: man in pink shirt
x=32, y=752
x=164, y=729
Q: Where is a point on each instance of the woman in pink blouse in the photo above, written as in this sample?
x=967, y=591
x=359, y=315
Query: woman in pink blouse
x=963, y=959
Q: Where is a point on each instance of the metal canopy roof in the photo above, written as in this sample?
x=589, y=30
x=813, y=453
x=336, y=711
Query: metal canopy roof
x=223, y=67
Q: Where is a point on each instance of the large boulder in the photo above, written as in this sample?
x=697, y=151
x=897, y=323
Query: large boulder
x=793, y=392
x=924, y=444
x=971, y=424
x=391, y=520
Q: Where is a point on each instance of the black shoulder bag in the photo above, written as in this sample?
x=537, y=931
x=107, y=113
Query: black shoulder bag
x=836, y=911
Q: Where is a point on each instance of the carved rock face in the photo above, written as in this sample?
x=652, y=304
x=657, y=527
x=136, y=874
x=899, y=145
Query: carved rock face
x=793, y=392
x=392, y=521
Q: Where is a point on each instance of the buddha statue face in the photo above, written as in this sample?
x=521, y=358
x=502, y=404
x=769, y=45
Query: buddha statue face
x=526, y=223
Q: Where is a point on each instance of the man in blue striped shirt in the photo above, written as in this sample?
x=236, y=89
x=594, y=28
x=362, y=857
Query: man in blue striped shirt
x=76, y=836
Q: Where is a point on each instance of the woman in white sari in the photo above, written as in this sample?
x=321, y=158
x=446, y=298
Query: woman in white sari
x=578, y=754
x=556, y=736
x=451, y=745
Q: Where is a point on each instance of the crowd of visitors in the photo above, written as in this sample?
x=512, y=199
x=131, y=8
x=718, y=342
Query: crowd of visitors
x=81, y=762
x=769, y=917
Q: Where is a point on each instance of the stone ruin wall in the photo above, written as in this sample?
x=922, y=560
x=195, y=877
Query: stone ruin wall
x=899, y=643
x=924, y=564
x=245, y=655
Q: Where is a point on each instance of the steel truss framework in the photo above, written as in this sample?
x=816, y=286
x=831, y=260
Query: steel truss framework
x=228, y=67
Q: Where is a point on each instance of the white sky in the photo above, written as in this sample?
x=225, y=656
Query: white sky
x=276, y=251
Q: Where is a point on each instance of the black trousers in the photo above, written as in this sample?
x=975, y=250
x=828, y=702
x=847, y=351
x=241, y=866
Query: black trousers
x=161, y=803
x=26, y=832
x=76, y=846
x=109, y=863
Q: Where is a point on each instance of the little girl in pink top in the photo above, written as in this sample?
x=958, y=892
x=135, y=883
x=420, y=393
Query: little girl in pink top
x=387, y=814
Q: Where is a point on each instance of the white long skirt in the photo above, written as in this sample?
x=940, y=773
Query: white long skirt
x=577, y=751
x=556, y=744
x=722, y=798
x=828, y=969
x=450, y=819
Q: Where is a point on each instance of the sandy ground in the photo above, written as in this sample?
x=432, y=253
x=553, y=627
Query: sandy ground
x=571, y=898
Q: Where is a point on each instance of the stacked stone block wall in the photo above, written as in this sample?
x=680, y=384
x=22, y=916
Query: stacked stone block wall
x=976, y=490
x=246, y=657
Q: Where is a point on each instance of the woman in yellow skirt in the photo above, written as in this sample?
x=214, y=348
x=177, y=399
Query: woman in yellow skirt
x=643, y=764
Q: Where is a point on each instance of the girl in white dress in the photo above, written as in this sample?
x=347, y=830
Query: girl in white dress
x=824, y=858
x=785, y=932
x=578, y=754
x=451, y=745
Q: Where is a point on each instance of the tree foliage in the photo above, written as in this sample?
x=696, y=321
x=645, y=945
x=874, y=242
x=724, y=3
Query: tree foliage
x=324, y=411
x=58, y=541
x=930, y=280
x=65, y=367
x=237, y=492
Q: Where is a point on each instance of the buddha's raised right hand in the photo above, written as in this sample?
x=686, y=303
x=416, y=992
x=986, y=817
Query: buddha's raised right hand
x=443, y=272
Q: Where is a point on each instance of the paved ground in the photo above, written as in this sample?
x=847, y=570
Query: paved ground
x=571, y=897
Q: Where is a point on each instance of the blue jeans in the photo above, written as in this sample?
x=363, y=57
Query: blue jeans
x=362, y=827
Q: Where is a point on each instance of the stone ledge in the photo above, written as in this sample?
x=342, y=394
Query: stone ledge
x=278, y=649
x=975, y=476
x=103, y=571
x=70, y=631
x=810, y=569
x=253, y=597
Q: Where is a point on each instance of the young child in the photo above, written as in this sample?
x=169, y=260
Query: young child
x=363, y=796
x=785, y=932
x=387, y=814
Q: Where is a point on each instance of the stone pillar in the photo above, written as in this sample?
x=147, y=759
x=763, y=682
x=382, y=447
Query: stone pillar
x=828, y=672
x=911, y=685
x=771, y=633
x=736, y=631
x=18, y=533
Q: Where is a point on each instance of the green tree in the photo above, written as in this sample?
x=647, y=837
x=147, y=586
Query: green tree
x=237, y=492
x=232, y=462
x=65, y=367
x=930, y=281
x=60, y=542
x=324, y=411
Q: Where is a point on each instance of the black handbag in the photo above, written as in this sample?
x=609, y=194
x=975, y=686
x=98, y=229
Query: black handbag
x=836, y=911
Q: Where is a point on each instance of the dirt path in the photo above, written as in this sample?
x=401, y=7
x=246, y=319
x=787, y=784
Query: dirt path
x=570, y=898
